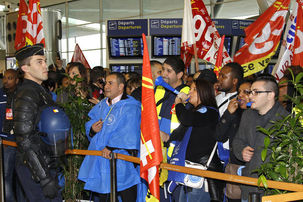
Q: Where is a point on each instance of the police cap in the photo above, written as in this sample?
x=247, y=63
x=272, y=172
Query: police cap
x=27, y=51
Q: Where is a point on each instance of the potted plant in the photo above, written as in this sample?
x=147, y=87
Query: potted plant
x=76, y=108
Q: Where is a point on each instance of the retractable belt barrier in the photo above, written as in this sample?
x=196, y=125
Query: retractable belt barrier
x=204, y=173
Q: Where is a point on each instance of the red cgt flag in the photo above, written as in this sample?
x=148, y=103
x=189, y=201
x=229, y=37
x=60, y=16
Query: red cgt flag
x=78, y=56
x=206, y=36
x=262, y=38
x=21, y=25
x=34, y=29
x=150, y=149
x=298, y=43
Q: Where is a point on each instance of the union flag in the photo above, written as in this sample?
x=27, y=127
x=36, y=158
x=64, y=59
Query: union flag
x=21, y=25
x=262, y=38
x=150, y=150
x=34, y=29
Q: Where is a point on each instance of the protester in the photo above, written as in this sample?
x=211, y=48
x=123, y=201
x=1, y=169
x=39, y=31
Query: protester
x=228, y=126
x=202, y=119
x=78, y=81
x=190, y=79
x=10, y=81
x=97, y=82
x=114, y=127
x=172, y=73
x=33, y=165
x=134, y=88
x=156, y=68
x=230, y=77
x=51, y=84
x=249, y=142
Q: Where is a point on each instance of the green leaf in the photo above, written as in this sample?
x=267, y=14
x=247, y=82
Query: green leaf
x=263, y=130
x=264, y=181
x=282, y=171
x=266, y=142
x=263, y=154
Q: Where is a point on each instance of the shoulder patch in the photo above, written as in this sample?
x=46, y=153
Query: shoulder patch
x=203, y=110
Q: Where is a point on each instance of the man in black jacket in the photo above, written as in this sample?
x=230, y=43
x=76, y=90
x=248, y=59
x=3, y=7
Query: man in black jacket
x=33, y=164
x=249, y=142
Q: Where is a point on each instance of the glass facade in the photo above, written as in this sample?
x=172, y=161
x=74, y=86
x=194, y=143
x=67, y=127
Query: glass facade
x=84, y=21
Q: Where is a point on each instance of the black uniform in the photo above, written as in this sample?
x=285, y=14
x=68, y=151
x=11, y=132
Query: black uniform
x=33, y=162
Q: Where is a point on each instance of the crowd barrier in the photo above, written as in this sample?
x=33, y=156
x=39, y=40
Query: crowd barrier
x=296, y=188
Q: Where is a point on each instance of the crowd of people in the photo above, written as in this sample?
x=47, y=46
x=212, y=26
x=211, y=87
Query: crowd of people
x=209, y=114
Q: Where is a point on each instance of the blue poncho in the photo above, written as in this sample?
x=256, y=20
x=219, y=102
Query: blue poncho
x=121, y=129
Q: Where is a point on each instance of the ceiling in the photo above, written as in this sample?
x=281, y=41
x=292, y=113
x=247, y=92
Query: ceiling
x=229, y=9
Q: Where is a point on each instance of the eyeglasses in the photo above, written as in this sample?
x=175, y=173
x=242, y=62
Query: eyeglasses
x=257, y=92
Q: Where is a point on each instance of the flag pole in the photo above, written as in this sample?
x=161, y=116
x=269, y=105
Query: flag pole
x=196, y=58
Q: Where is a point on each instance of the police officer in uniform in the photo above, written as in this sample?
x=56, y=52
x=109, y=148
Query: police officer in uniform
x=33, y=162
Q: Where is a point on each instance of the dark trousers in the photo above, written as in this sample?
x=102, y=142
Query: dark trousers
x=33, y=190
x=174, y=197
x=127, y=195
x=9, y=154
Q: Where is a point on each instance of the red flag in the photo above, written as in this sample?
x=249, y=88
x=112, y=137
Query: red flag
x=78, y=56
x=219, y=60
x=207, y=37
x=262, y=38
x=34, y=29
x=286, y=53
x=298, y=43
x=21, y=25
x=150, y=151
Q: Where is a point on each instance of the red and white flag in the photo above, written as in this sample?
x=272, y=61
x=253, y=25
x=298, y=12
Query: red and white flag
x=78, y=56
x=262, y=38
x=286, y=53
x=150, y=150
x=21, y=25
x=34, y=29
x=207, y=38
x=298, y=44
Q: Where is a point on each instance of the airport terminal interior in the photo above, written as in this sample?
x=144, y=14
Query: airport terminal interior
x=84, y=21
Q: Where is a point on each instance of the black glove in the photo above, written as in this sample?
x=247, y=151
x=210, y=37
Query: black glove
x=50, y=188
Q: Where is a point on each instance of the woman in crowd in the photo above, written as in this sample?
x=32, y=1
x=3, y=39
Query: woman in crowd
x=97, y=83
x=203, y=119
x=230, y=120
x=78, y=82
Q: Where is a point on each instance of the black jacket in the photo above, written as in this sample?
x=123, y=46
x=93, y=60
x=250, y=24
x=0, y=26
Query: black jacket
x=226, y=130
x=28, y=102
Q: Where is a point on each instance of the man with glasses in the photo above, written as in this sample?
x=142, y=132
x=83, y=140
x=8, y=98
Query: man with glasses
x=249, y=142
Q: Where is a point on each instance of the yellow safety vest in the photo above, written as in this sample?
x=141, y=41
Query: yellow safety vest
x=174, y=122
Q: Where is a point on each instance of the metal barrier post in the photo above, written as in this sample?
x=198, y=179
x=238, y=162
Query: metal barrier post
x=113, y=178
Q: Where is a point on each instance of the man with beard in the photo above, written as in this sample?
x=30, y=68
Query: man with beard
x=10, y=81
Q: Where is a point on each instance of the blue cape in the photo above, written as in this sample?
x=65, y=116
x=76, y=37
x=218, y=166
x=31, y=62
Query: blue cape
x=121, y=129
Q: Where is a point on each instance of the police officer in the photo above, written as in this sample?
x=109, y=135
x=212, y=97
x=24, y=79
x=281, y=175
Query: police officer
x=33, y=164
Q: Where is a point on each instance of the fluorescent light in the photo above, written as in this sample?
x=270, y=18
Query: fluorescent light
x=2, y=7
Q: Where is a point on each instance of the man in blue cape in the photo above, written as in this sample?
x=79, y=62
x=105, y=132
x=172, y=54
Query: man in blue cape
x=114, y=127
